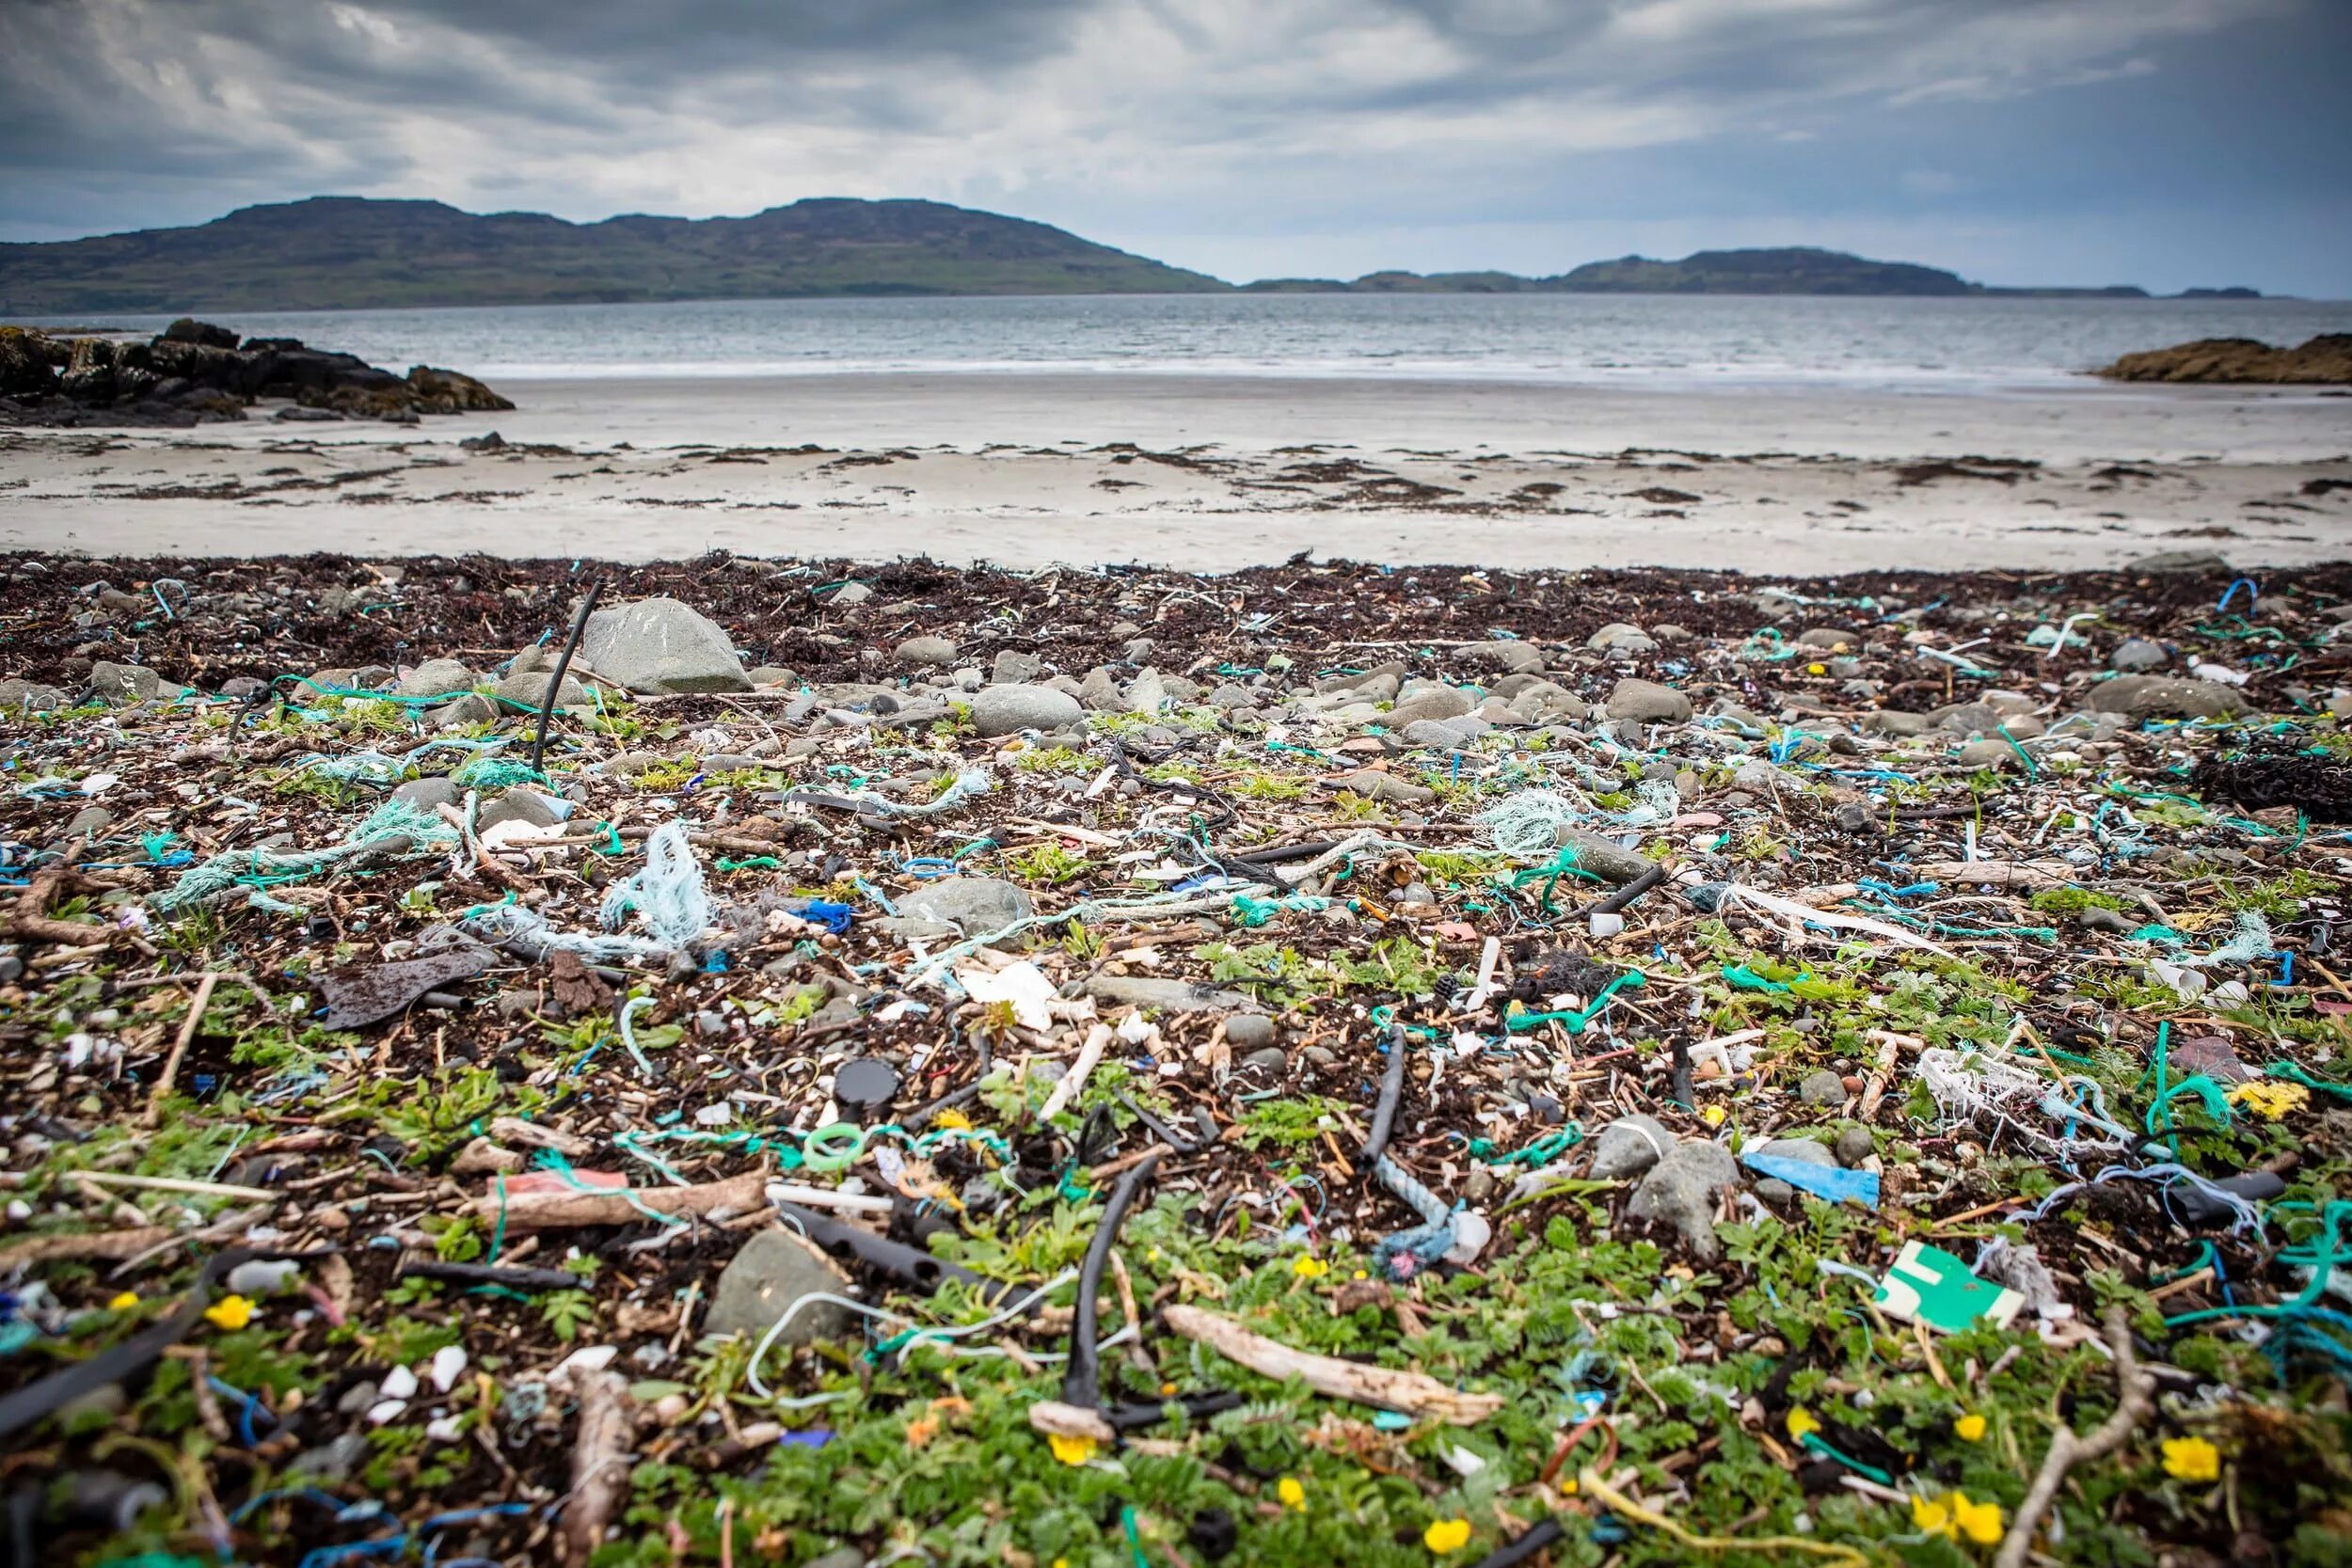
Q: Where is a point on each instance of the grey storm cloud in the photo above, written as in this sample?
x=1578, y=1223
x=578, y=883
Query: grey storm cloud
x=1216, y=119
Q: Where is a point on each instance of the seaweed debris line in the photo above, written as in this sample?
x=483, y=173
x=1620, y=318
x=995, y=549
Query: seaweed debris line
x=752, y=1061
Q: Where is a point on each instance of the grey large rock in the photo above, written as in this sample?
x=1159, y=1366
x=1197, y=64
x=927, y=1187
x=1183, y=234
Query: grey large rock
x=530, y=690
x=1603, y=857
x=436, y=677
x=1009, y=709
x=1376, y=785
x=1618, y=637
x=1648, y=702
x=23, y=696
x=1446, y=702
x=2180, y=561
x=775, y=1269
x=1630, y=1145
x=924, y=653
x=1507, y=655
x=974, y=905
x=2166, y=697
x=660, y=645
x=427, y=794
x=1177, y=996
x=128, y=683
x=1680, y=1190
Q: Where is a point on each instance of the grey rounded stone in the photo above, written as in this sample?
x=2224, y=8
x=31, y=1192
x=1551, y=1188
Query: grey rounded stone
x=775, y=1269
x=974, y=905
x=1250, y=1031
x=1854, y=1145
x=1272, y=1059
x=927, y=652
x=1680, y=1190
x=1630, y=1145
x=1822, y=1087
x=2139, y=654
x=1001, y=710
x=1648, y=702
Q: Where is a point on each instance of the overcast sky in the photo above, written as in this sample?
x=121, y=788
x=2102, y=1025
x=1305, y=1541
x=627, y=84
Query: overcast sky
x=2162, y=142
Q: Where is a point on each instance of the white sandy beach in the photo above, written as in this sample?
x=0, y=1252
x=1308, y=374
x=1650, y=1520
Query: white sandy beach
x=1215, y=472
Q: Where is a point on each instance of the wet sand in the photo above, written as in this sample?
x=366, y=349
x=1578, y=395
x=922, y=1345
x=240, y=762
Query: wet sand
x=1212, y=473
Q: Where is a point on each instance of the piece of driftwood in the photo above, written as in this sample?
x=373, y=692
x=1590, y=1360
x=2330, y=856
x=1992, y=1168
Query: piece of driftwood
x=2136, y=1389
x=567, y=1210
x=97, y=1243
x=600, y=1467
x=1408, y=1392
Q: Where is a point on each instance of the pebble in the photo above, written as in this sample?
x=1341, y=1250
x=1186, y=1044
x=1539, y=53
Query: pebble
x=1824, y=1089
x=1250, y=1031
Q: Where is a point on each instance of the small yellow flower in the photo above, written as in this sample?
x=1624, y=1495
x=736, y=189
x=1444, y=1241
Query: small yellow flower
x=1362, y=1274
x=1969, y=1428
x=1817, y=669
x=230, y=1312
x=124, y=1302
x=2268, y=1099
x=1713, y=1116
x=2191, y=1459
x=1071, y=1451
x=1446, y=1535
x=1308, y=1266
x=1801, y=1424
x=1931, y=1515
x=1980, y=1522
x=951, y=1119
x=1291, y=1494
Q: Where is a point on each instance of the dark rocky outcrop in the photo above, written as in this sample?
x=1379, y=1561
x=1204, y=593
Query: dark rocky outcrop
x=2325, y=361
x=194, y=373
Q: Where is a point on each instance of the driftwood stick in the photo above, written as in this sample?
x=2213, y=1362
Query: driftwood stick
x=30, y=920
x=563, y=1210
x=96, y=1244
x=189, y=1027
x=599, y=1466
x=2137, y=1388
x=1413, y=1393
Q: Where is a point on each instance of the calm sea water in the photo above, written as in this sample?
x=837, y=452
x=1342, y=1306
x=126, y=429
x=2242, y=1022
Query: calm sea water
x=1923, y=345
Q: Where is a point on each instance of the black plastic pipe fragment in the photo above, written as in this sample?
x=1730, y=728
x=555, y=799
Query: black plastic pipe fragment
x=563, y=662
x=1082, y=1386
x=1391, y=1090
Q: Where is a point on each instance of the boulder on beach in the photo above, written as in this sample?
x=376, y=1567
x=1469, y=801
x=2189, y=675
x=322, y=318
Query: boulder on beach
x=660, y=646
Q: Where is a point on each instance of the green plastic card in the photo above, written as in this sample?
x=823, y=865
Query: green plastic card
x=1931, y=1286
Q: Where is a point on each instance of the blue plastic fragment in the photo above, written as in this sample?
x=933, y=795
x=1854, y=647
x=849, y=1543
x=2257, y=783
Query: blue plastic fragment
x=1830, y=1183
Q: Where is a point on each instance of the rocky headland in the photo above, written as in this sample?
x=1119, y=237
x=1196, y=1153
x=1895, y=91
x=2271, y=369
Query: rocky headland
x=194, y=373
x=2324, y=360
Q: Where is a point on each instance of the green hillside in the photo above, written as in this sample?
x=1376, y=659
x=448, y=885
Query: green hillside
x=350, y=253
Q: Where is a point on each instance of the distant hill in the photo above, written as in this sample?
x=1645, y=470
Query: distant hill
x=1784, y=270
x=339, y=252
x=352, y=252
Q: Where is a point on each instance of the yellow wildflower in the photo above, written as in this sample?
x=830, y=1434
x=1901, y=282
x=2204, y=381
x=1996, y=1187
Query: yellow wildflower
x=1932, y=1516
x=1713, y=1116
x=1071, y=1451
x=230, y=1312
x=1446, y=1535
x=1969, y=1428
x=1802, y=1424
x=1308, y=1266
x=1291, y=1494
x=1817, y=669
x=1980, y=1522
x=124, y=1302
x=2191, y=1459
x=2270, y=1100
x=951, y=1119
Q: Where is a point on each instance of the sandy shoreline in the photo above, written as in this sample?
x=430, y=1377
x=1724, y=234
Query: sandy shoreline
x=1210, y=474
